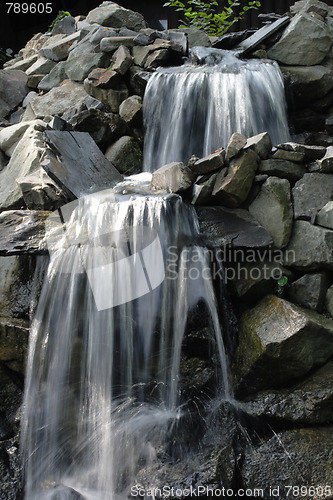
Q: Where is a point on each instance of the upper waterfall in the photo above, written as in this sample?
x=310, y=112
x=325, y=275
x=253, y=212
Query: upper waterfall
x=195, y=108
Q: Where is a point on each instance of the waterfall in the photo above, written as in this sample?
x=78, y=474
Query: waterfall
x=102, y=391
x=195, y=108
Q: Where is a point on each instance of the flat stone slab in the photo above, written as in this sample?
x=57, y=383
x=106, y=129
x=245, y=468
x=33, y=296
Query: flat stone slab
x=23, y=231
x=71, y=151
x=234, y=227
x=265, y=32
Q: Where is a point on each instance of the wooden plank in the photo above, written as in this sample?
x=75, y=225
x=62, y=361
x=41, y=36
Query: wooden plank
x=76, y=163
x=265, y=32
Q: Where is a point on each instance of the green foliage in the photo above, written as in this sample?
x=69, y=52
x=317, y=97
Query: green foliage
x=281, y=284
x=61, y=15
x=204, y=15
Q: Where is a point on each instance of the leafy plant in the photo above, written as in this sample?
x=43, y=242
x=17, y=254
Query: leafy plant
x=61, y=15
x=281, y=284
x=205, y=15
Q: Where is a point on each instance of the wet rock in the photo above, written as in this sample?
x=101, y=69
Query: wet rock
x=309, y=291
x=14, y=337
x=115, y=16
x=174, y=177
x=59, y=50
x=272, y=208
x=121, y=60
x=308, y=402
x=292, y=457
x=78, y=67
x=311, y=153
x=233, y=189
x=235, y=145
x=210, y=163
x=282, y=168
x=308, y=83
x=260, y=144
x=325, y=216
x=310, y=247
x=13, y=90
x=311, y=193
x=22, y=231
x=57, y=101
x=326, y=163
x=111, y=98
x=305, y=42
x=24, y=160
x=126, y=155
x=130, y=111
x=202, y=190
x=237, y=228
x=10, y=469
x=56, y=76
x=329, y=300
x=279, y=342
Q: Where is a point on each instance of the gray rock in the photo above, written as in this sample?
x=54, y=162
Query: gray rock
x=113, y=15
x=308, y=402
x=326, y=163
x=196, y=38
x=311, y=153
x=57, y=101
x=111, y=98
x=174, y=177
x=305, y=42
x=59, y=50
x=308, y=83
x=56, y=76
x=40, y=192
x=66, y=26
x=126, y=155
x=28, y=98
x=234, y=227
x=233, y=189
x=329, y=300
x=110, y=44
x=309, y=291
x=264, y=33
x=10, y=136
x=260, y=144
x=236, y=144
x=121, y=60
x=325, y=216
x=161, y=57
x=310, y=247
x=22, y=232
x=34, y=45
x=24, y=160
x=311, y=193
x=279, y=342
x=289, y=457
x=138, y=80
x=210, y=163
x=41, y=67
x=78, y=67
x=282, y=168
x=272, y=208
x=282, y=154
x=304, y=5
x=130, y=111
x=23, y=64
x=140, y=55
x=90, y=41
x=202, y=190
x=33, y=81
x=13, y=90
x=104, y=78
x=71, y=150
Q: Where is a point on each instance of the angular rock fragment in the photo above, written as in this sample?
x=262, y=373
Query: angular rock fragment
x=310, y=194
x=260, y=144
x=174, y=177
x=236, y=144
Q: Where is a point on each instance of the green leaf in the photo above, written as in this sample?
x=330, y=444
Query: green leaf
x=283, y=281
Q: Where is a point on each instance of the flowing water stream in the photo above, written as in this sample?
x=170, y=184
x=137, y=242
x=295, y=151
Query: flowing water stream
x=127, y=268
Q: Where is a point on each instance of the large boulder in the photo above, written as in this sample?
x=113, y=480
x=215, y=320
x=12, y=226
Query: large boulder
x=279, y=342
x=305, y=42
x=24, y=160
x=325, y=216
x=57, y=48
x=11, y=136
x=174, y=177
x=272, y=208
x=310, y=247
x=113, y=15
x=309, y=291
x=311, y=193
x=78, y=67
x=13, y=89
x=306, y=84
x=22, y=232
x=285, y=169
x=126, y=155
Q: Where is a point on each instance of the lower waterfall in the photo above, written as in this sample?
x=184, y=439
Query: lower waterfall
x=195, y=108
x=102, y=390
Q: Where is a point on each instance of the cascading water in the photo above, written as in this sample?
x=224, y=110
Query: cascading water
x=195, y=108
x=102, y=384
